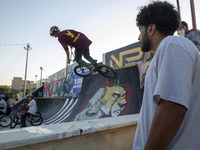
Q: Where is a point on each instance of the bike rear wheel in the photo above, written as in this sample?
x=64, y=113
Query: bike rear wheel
x=5, y=121
x=36, y=120
x=38, y=113
x=82, y=71
x=14, y=122
x=106, y=71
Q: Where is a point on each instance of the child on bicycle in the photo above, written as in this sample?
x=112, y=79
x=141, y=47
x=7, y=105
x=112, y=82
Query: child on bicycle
x=77, y=40
x=32, y=108
x=3, y=105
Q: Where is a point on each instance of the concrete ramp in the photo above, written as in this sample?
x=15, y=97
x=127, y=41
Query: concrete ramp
x=100, y=97
x=56, y=110
x=53, y=110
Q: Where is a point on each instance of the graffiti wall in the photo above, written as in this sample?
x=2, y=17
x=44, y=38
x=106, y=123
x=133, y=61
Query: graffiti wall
x=58, y=75
x=38, y=92
x=102, y=97
x=65, y=87
x=62, y=73
x=143, y=67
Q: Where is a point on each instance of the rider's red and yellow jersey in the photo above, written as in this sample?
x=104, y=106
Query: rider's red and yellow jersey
x=75, y=39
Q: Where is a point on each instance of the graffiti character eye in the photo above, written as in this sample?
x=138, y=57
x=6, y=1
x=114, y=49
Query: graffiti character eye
x=124, y=94
x=116, y=95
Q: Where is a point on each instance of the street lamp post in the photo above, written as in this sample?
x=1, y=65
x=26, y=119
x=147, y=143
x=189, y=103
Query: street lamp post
x=36, y=78
x=194, y=25
x=41, y=76
x=178, y=6
x=27, y=48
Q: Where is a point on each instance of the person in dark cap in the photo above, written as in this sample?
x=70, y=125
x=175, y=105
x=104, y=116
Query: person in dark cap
x=193, y=34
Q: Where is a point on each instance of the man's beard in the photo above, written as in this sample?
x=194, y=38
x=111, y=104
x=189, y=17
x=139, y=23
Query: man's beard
x=146, y=43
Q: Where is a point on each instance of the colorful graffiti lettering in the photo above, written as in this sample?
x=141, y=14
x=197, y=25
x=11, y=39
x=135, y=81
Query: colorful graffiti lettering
x=59, y=88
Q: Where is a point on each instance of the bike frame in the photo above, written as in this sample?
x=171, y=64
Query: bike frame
x=72, y=55
x=71, y=58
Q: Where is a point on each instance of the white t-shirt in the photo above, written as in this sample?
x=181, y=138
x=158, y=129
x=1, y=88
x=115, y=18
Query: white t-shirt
x=174, y=75
x=4, y=105
x=32, y=107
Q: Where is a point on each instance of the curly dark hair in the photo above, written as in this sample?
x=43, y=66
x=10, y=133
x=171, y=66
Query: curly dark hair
x=162, y=14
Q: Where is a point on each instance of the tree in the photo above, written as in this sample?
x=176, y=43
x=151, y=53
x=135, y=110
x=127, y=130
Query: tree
x=5, y=89
x=28, y=91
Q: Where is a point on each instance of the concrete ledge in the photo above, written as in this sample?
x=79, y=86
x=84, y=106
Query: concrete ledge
x=56, y=133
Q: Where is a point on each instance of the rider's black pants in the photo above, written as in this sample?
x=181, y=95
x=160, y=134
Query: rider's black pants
x=86, y=54
x=23, y=118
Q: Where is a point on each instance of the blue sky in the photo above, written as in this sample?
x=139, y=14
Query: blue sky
x=110, y=24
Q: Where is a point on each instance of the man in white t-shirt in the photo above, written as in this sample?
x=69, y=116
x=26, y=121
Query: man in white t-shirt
x=3, y=105
x=169, y=116
x=32, y=108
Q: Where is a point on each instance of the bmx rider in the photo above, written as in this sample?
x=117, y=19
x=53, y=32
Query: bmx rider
x=32, y=110
x=77, y=40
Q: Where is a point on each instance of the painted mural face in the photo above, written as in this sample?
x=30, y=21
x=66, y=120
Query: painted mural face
x=108, y=101
x=113, y=100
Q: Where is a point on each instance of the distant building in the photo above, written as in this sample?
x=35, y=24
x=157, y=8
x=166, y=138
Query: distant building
x=43, y=81
x=18, y=84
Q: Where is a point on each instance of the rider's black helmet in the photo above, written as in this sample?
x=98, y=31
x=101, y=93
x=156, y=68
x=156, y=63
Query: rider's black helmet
x=53, y=29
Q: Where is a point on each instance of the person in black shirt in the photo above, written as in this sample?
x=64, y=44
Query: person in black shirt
x=6, y=98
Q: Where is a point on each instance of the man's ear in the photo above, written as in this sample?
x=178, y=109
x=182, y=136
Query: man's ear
x=151, y=29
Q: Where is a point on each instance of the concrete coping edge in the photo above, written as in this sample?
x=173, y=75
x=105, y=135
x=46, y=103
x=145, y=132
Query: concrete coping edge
x=31, y=135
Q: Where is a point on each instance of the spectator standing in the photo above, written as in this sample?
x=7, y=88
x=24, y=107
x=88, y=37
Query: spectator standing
x=193, y=34
x=14, y=96
x=17, y=96
x=169, y=116
x=3, y=105
x=6, y=98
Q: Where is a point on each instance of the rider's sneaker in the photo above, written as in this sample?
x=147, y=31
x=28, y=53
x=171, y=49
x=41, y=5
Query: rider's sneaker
x=92, y=69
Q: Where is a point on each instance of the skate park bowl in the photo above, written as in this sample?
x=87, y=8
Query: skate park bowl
x=115, y=133
x=71, y=123
x=103, y=116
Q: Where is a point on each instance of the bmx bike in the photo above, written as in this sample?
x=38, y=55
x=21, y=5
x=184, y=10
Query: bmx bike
x=34, y=120
x=102, y=69
x=5, y=120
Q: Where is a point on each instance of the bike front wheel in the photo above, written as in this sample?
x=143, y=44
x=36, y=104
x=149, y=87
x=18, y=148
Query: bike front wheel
x=14, y=122
x=82, y=71
x=106, y=71
x=5, y=121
